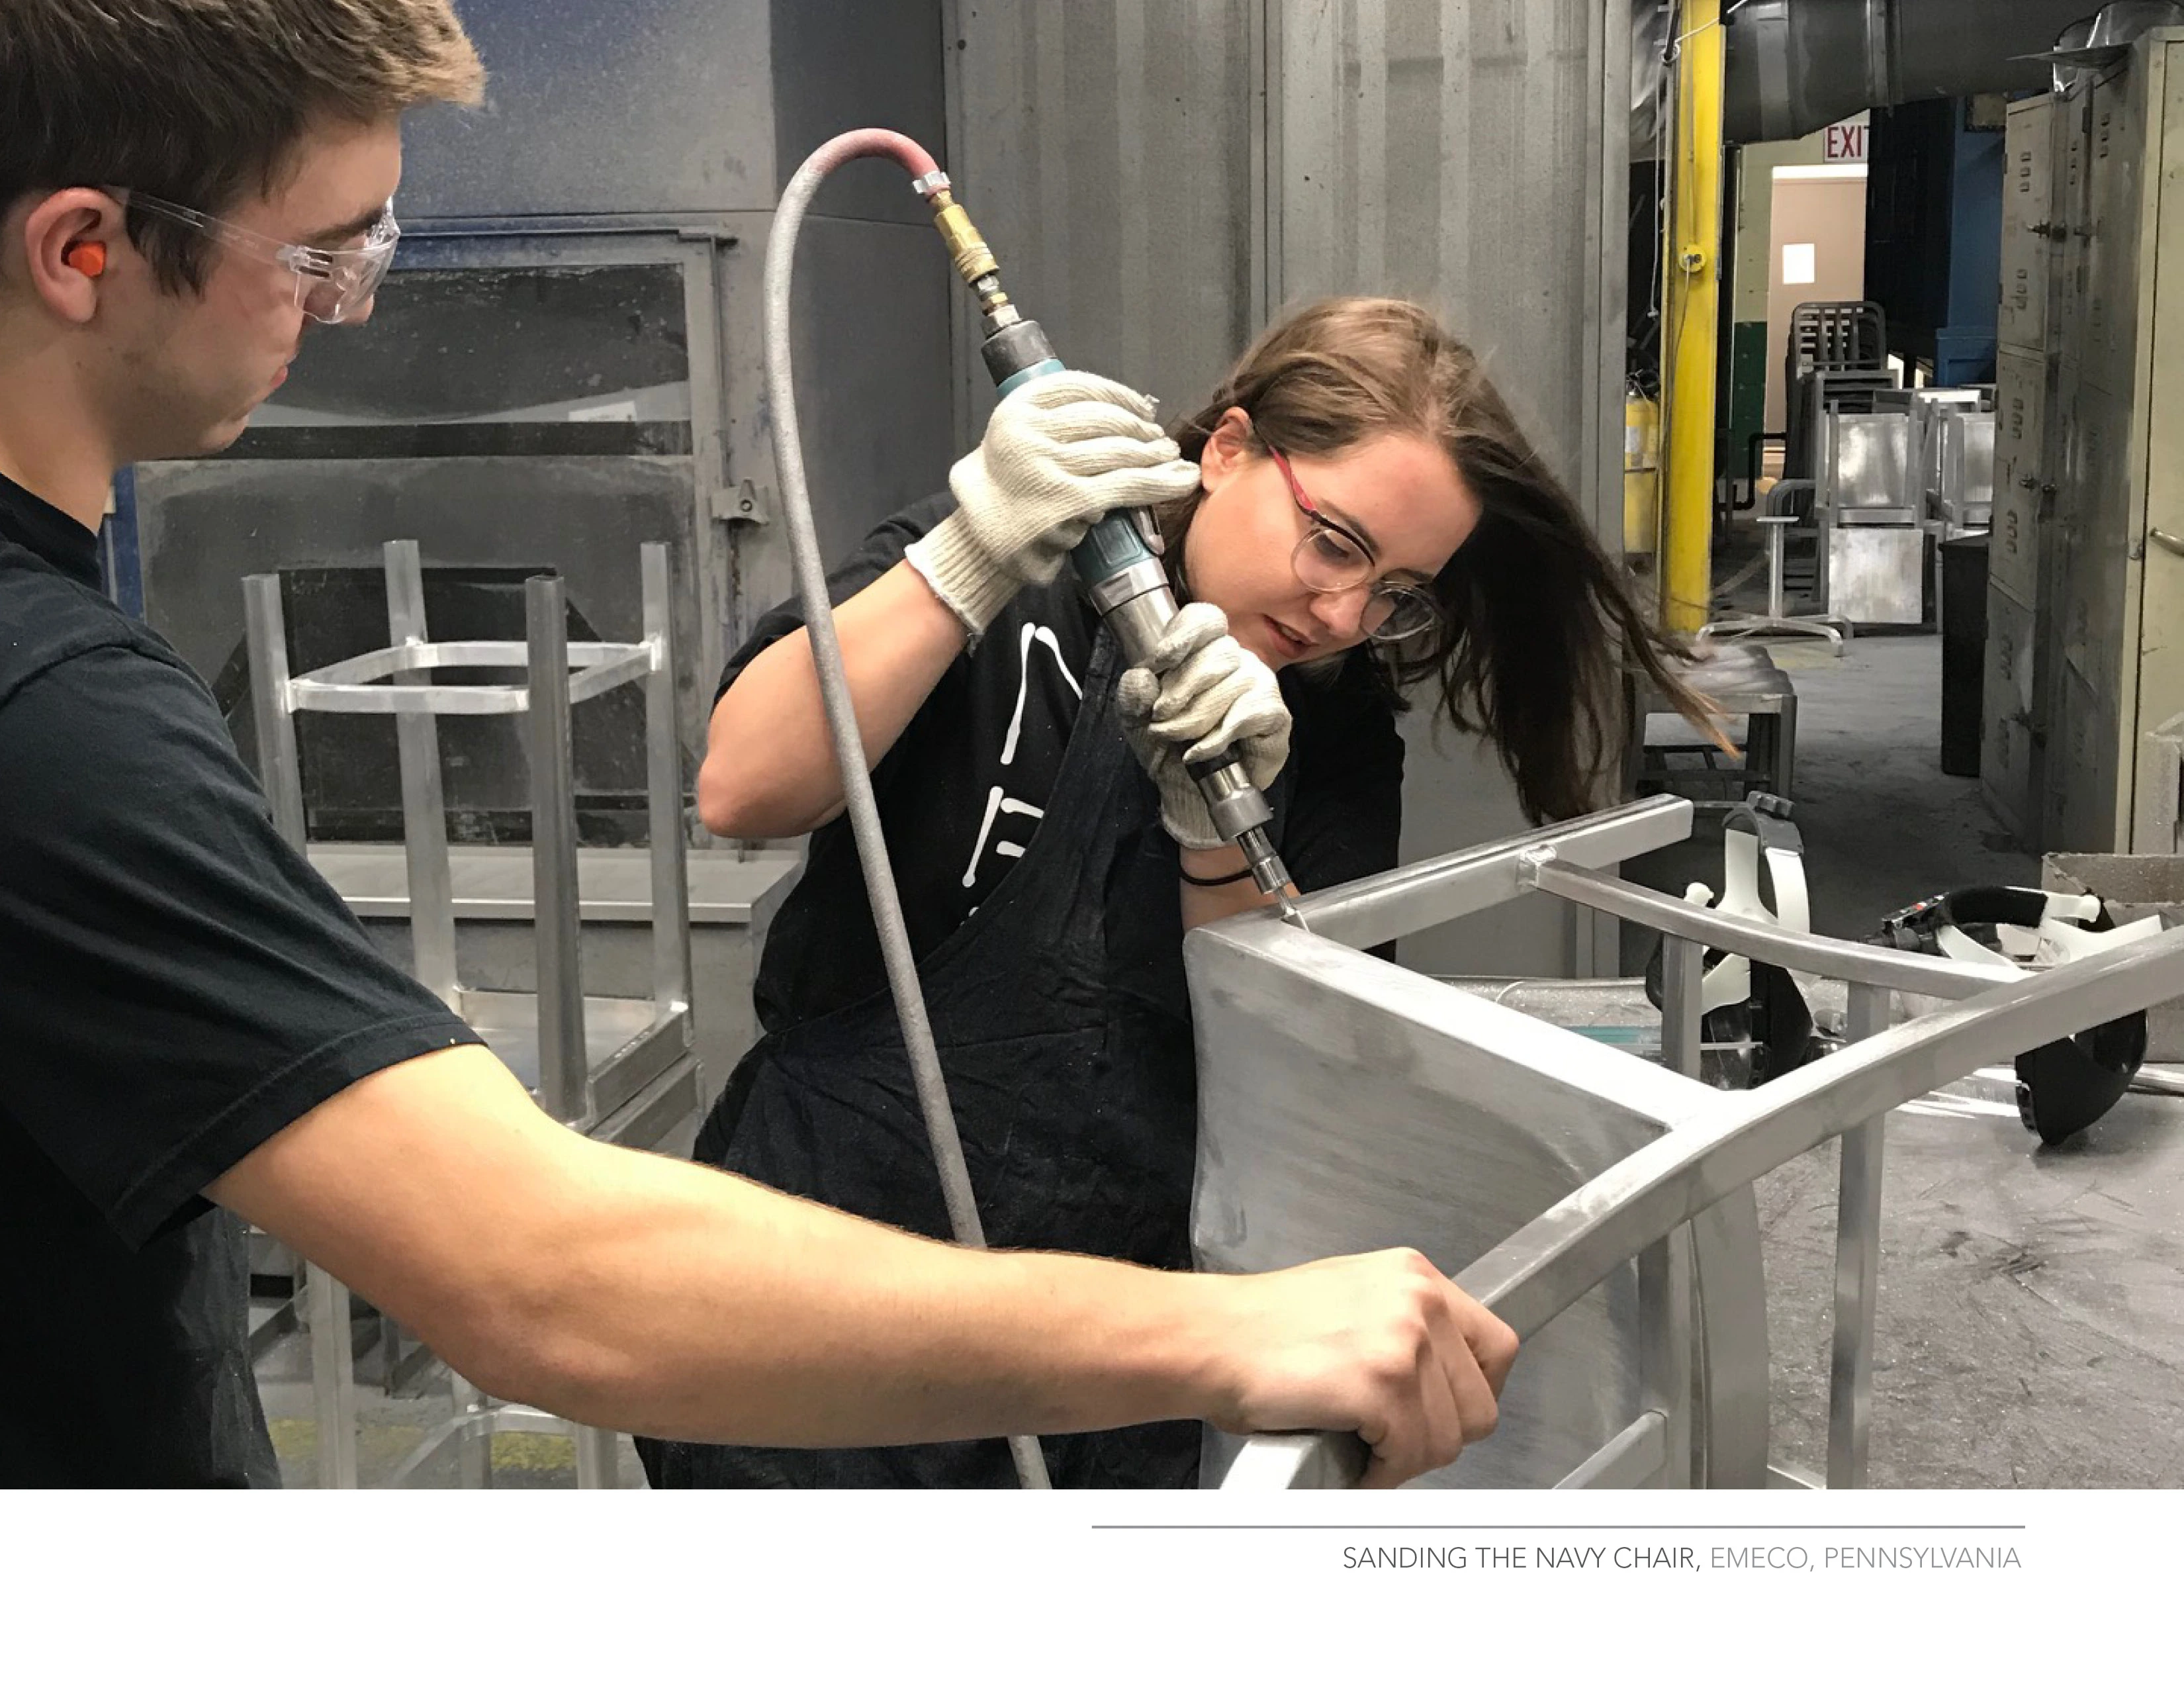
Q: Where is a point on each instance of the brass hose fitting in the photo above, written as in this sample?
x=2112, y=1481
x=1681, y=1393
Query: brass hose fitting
x=974, y=259
x=967, y=250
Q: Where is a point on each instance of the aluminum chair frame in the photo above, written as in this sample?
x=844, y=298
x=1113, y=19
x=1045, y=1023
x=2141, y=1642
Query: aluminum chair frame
x=1681, y=1206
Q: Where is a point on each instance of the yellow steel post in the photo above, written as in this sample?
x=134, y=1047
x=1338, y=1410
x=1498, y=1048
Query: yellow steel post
x=1691, y=310
x=1642, y=476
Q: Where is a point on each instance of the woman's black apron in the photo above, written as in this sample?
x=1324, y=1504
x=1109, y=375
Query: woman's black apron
x=1062, y=1019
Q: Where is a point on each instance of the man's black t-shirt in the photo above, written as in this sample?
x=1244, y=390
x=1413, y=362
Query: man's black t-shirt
x=176, y=986
x=964, y=788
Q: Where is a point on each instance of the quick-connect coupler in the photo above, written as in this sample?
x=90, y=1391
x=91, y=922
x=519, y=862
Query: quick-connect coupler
x=967, y=250
x=1119, y=562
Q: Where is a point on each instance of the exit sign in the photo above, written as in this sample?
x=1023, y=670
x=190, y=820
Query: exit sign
x=1845, y=143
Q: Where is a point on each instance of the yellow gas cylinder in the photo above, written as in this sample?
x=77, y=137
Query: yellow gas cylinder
x=1641, y=474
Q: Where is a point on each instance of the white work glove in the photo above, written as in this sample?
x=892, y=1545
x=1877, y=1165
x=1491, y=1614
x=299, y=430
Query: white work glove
x=1059, y=452
x=1197, y=694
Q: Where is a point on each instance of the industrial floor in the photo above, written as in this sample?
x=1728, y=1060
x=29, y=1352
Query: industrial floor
x=2031, y=1330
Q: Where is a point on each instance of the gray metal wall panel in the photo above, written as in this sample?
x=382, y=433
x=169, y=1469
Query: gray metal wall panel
x=873, y=373
x=1105, y=147
x=699, y=108
x=1454, y=151
x=843, y=64
x=1447, y=150
x=874, y=352
x=595, y=108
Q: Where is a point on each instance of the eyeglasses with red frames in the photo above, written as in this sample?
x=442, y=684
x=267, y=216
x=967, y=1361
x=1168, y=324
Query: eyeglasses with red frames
x=1329, y=558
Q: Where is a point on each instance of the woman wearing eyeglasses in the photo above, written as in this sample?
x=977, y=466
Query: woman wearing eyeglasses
x=1354, y=525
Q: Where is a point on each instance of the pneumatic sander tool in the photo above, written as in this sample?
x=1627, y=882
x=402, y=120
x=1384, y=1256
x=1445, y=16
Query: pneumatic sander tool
x=1119, y=563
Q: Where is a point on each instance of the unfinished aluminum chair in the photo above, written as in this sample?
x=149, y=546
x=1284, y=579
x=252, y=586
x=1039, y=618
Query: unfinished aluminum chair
x=1960, y=475
x=618, y=1069
x=1740, y=679
x=1870, y=506
x=1601, y=1204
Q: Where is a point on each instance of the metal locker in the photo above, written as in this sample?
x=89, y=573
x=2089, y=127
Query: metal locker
x=2072, y=215
x=2100, y=615
x=2086, y=659
x=2028, y=252
x=2020, y=473
x=2116, y=146
x=2006, y=760
x=2158, y=529
x=2081, y=747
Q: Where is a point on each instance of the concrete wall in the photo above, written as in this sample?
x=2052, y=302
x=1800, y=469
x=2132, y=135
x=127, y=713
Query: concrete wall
x=1754, y=352
x=1828, y=215
x=1755, y=216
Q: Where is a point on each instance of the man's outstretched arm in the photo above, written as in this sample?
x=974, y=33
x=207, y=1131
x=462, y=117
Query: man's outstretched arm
x=644, y=1294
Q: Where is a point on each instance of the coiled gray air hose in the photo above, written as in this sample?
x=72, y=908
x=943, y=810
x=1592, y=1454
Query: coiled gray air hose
x=841, y=713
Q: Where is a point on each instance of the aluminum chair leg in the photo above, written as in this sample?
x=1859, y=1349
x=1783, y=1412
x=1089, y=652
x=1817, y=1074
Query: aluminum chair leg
x=333, y=1378
x=1730, y=1433
x=598, y=1458
x=1858, y=1272
x=473, y=1450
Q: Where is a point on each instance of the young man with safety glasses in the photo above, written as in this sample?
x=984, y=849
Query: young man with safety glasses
x=197, y=1034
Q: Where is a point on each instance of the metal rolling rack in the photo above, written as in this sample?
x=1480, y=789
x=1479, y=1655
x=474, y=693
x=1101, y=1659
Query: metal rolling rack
x=1862, y=465
x=1952, y=456
x=617, y=1069
x=1545, y=1164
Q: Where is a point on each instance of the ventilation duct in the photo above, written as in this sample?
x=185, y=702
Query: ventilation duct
x=1795, y=66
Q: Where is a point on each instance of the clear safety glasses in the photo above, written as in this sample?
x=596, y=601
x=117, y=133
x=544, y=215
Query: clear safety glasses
x=330, y=287
x=1329, y=558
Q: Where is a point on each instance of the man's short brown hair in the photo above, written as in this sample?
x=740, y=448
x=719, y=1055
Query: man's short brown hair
x=203, y=101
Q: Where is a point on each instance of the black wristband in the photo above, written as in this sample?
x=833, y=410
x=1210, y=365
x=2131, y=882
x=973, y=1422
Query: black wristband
x=1225, y=879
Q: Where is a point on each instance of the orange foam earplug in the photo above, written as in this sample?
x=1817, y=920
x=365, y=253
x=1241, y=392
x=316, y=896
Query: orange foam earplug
x=86, y=257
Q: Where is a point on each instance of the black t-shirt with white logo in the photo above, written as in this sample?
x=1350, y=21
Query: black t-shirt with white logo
x=176, y=986
x=961, y=791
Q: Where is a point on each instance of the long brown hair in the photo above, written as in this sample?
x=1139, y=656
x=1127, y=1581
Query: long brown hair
x=1538, y=626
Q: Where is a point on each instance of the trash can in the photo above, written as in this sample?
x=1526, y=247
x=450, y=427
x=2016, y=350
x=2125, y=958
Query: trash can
x=1963, y=651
